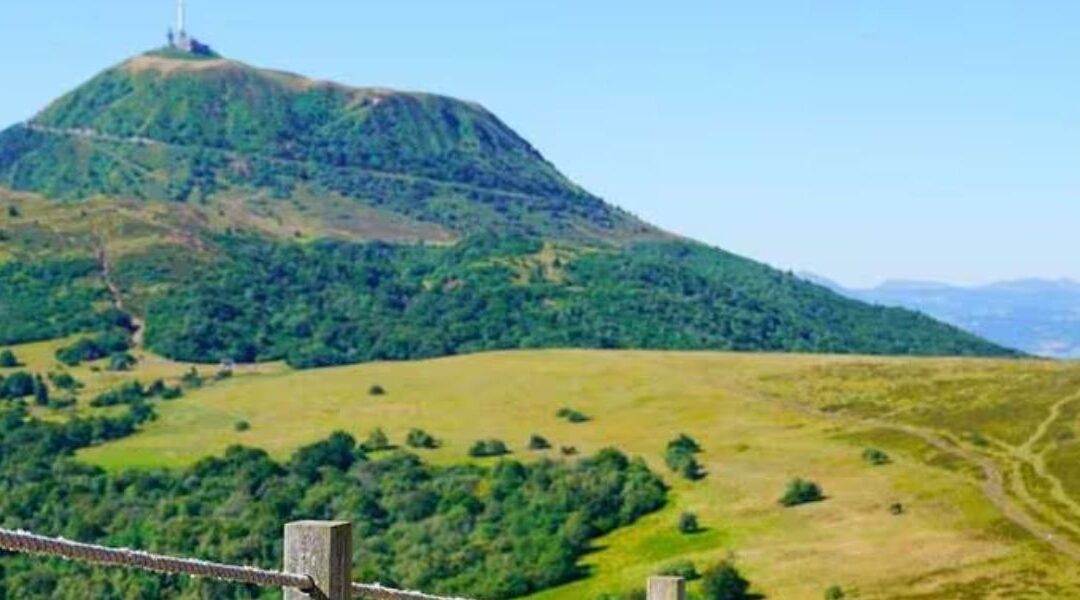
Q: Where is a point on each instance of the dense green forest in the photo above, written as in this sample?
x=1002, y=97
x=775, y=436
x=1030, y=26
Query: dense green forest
x=493, y=532
x=331, y=303
x=47, y=299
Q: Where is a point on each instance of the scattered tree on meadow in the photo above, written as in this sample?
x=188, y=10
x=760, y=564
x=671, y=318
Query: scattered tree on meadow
x=486, y=448
x=688, y=523
x=835, y=592
x=876, y=457
x=8, y=360
x=724, y=582
x=801, y=491
x=538, y=442
x=377, y=441
x=420, y=439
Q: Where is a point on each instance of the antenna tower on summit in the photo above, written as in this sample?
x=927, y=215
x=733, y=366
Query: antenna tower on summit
x=181, y=26
x=178, y=37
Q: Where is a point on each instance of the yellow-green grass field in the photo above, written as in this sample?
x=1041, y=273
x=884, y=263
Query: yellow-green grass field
x=952, y=427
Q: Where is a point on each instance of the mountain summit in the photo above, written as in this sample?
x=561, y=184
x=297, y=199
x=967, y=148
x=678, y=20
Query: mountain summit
x=173, y=126
x=244, y=213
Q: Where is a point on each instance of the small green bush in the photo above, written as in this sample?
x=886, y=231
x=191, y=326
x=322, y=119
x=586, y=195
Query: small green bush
x=8, y=360
x=572, y=416
x=420, y=439
x=684, y=443
x=376, y=390
x=121, y=361
x=17, y=385
x=801, y=491
x=688, y=523
x=65, y=381
x=835, y=592
x=876, y=457
x=486, y=448
x=377, y=441
x=680, y=568
x=537, y=442
x=725, y=582
x=242, y=426
x=683, y=462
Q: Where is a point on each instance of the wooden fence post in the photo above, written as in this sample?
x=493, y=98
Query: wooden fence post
x=321, y=550
x=667, y=588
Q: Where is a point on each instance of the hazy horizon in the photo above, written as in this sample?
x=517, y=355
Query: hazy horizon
x=862, y=143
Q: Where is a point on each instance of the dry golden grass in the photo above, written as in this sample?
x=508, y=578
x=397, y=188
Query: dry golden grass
x=750, y=412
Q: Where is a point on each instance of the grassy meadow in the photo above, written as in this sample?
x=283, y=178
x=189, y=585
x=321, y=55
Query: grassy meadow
x=950, y=427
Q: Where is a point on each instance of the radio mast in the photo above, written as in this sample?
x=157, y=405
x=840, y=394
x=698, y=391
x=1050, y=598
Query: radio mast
x=180, y=38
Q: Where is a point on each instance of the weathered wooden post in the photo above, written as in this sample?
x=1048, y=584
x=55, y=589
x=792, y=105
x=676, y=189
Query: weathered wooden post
x=667, y=588
x=321, y=550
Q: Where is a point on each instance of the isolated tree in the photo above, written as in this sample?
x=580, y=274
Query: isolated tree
x=376, y=441
x=41, y=392
x=876, y=457
x=8, y=360
x=801, y=491
x=688, y=523
x=724, y=582
x=418, y=438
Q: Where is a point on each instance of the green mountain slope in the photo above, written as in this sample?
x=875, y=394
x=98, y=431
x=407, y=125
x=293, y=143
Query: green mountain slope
x=172, y=129
x=252, y=215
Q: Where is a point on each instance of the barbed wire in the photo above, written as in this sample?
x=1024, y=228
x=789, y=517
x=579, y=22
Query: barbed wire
x=31, y=543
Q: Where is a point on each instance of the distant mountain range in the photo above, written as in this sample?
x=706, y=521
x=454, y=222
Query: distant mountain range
x=1038, y=316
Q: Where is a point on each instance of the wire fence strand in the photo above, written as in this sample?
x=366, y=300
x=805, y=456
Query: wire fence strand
x=30, y=543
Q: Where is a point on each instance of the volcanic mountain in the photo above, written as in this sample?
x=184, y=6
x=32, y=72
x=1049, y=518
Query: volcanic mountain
x=247, y=214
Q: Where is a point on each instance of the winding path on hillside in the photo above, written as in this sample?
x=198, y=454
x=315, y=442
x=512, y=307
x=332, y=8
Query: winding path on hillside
x=105, y=265
x=993, y=484
x=93, y=134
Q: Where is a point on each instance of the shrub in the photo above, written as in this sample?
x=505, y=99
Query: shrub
x=41, y=392
x=724, y=582
x=8, y=360
x=801, y=491
x=62, y=403
x=376, y=390
x=242, y=426
x=64, y=381
x=376, y=441
x=121, y=361
x=17, y=385
x=683, y=463
x=537, y=442
x=171, y=393
x=680, y=568
x=835, y=592
x=688, y=523
x=876, y=457
x=485, y=448
x=684, y=443
x=568, y=450
x=79, y=352
x=192, y=379
x=418, y=438
x=572, y=416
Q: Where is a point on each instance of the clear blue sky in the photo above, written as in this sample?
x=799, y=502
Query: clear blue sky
x=862, y=140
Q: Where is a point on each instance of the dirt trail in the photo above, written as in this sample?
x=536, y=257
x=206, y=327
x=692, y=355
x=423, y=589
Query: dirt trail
x=1028, y=452
x=118, y=298
x=993, y=484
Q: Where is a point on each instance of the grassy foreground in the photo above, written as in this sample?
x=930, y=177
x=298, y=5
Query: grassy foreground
x=762, y=419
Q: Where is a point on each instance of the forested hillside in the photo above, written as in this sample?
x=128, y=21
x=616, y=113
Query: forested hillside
x=253, y=215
